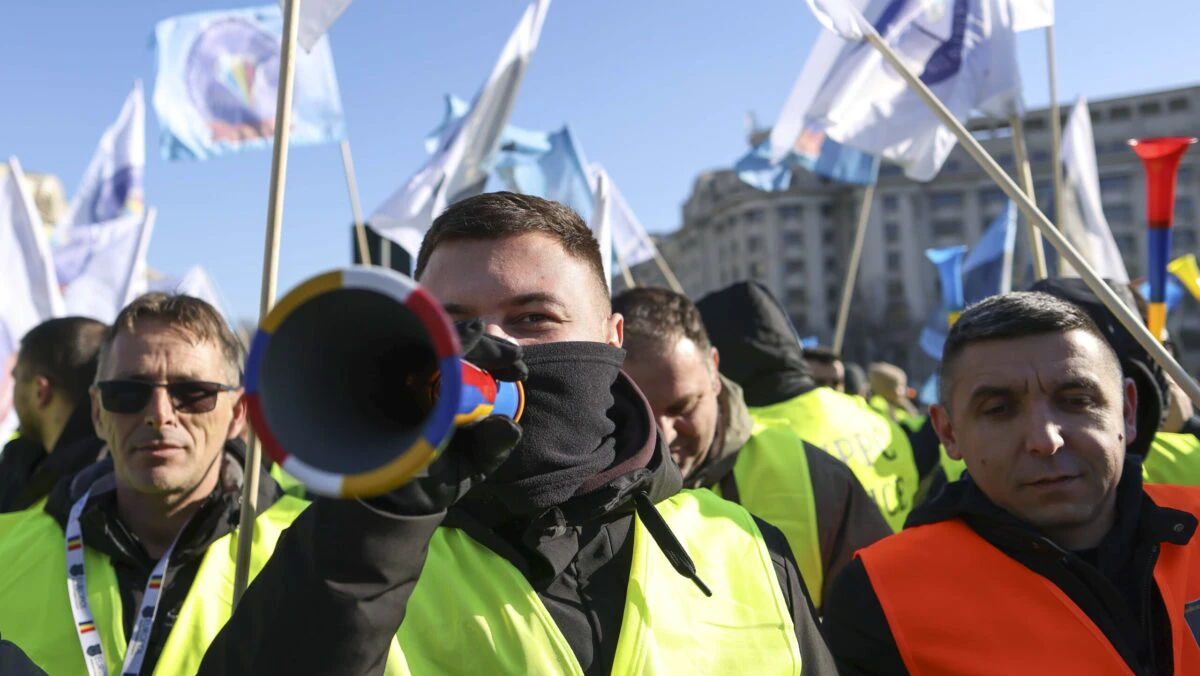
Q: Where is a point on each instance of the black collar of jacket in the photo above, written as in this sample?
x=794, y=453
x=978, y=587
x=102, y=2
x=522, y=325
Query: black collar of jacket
x=1137, y=517
x=76, y=448
x=103, y=530
x=643, y=465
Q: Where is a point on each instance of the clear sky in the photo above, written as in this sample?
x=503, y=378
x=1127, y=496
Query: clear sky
x=654, y=90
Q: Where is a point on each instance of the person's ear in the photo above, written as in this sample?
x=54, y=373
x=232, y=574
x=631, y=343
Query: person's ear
x=1129, y=409
x=42, y=392
x=939, y=417
x=94, y=395
x=615, y=326
x=716, y=371
x=237, y=424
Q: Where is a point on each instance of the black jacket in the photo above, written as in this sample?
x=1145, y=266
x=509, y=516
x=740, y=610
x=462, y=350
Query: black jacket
x=847, y=518
x=1113, y=583
x=28, y=473
x=335, y=591
x=103, y=531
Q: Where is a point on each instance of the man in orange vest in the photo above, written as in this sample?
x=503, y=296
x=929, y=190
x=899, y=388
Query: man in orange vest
x=1050, y=556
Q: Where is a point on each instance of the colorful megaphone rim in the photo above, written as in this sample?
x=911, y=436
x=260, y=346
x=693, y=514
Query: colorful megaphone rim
x=436, y=429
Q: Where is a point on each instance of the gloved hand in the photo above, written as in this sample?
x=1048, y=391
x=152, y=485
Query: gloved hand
x=474, y=451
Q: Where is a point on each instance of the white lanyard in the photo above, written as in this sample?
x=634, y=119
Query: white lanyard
x=85, y=624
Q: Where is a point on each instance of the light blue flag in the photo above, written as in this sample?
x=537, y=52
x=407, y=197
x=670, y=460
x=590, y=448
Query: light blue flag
x=216, y=85
x=933, y=334
x=550, y=165
x=949, y=263
x=1175, y=292
x=928, y=396
x=812, y=152
x=987, y=270
x=809, y=341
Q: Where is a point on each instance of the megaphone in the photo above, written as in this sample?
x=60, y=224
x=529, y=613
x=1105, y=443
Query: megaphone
x=355, y=382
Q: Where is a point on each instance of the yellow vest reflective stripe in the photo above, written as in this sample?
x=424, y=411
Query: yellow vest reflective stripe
x=35, y=612
x=1172, y=459
x=875, y=448
x=774, y=484
x=472, y=612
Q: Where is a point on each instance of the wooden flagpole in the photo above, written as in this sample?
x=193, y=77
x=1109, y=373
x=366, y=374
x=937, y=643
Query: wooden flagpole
x=1131, y=322
x=626, y=273
x=279, y=157
x=360, y=230
x=1040, y=270
x=672, y=281
x=860, y=235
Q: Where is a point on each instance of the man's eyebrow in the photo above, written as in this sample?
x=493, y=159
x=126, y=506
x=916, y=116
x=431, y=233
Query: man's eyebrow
x=456, y=309
x=535, y=298
x=984, y=391
x=1075, y=381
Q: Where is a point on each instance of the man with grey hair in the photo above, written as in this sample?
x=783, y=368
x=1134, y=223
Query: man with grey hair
x=141, y=544
x=1050, y=556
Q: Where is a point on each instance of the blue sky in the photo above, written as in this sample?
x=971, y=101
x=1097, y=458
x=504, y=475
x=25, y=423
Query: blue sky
x=655, y=91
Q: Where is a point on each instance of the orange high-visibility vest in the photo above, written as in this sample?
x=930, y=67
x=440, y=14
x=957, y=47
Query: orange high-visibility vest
x=958, y=605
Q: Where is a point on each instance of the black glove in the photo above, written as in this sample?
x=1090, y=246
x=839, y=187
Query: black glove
x=474, y=451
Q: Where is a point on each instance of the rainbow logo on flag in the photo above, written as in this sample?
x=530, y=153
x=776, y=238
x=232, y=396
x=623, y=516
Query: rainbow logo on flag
x=236, y=72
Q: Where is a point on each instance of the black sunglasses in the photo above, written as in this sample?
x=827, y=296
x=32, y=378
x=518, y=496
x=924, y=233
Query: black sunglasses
x=131, y=396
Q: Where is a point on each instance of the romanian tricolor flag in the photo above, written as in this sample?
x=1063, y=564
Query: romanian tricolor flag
x=87, y=626
x=155, y=582
x=74, y=543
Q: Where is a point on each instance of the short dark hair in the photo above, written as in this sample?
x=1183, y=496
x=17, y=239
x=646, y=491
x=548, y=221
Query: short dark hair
x=655, y=318
x=821, y=355
x=65, y=351
x=188, y=314
x=496, y=215
x=1008, y=316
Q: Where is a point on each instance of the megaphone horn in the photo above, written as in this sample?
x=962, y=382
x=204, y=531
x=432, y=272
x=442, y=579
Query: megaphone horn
x=354, y=382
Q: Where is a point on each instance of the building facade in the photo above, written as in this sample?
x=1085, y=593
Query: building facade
x=797, y=242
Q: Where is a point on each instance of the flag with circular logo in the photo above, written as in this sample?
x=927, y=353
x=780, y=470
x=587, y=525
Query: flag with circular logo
x=217, y=80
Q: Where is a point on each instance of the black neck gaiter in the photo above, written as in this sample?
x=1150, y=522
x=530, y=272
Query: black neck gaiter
x=567, y=432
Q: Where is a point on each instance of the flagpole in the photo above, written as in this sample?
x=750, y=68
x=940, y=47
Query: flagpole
x=364, y=252
x=1055, y=130
x=860, y=236
x=1128, y=319
x=626, y=273
x=672, y=281
x=1040, y=270
x=279, y=156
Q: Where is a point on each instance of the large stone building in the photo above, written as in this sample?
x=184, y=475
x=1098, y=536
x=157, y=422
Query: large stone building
x=797, y=242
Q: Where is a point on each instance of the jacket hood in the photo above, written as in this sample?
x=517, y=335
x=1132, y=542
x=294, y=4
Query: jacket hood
x=759, y=348
x=735, y=428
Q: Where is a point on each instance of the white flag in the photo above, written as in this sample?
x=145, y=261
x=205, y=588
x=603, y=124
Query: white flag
x=1084, y=223
x=630, y=242
x=316, y=16
x=28, y=291
x=601, y=222
x=112, y=184
x=1031, y=14
x=963, y=50
x=102, y=266
x=460, y=166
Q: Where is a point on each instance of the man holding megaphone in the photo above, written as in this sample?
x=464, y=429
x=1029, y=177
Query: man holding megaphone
x=562, y=544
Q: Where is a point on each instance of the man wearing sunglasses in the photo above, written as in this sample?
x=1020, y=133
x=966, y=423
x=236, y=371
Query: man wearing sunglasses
x=128, y=565
x=51, y=376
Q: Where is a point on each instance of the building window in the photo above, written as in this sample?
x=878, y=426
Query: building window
x=890, y=170
x=943, y=198
x=733, y=247
x=1040, y=156
x=1185, y=210
x=1178, y=105
x=831, y=266
x=1005, y=160
x=790, y=212
x=1035, y=124
x=947, y=227
x=754, y=244
x=952, y=166
x=793, y=239
x=1097, y=116
x=990, y=196
x=1119, y=113
x=893, y=260
x=1149, y=108
x=800, y=320
x=891, y=232
x=793, y=267
x=1119, y=213
x=1185, y=240
x=890, y=203
x=827, y=236
x=753, y=216
x=1118, y=183
x=833, y=295
x=758, y=271
x=826, y=211
x=1185, y=175
x=832, y=317
x=895, y=290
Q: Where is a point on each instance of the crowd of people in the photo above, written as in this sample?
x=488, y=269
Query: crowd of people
x=688, y=490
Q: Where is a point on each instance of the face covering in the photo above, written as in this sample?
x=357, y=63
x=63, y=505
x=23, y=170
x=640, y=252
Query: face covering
x=567, y=433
